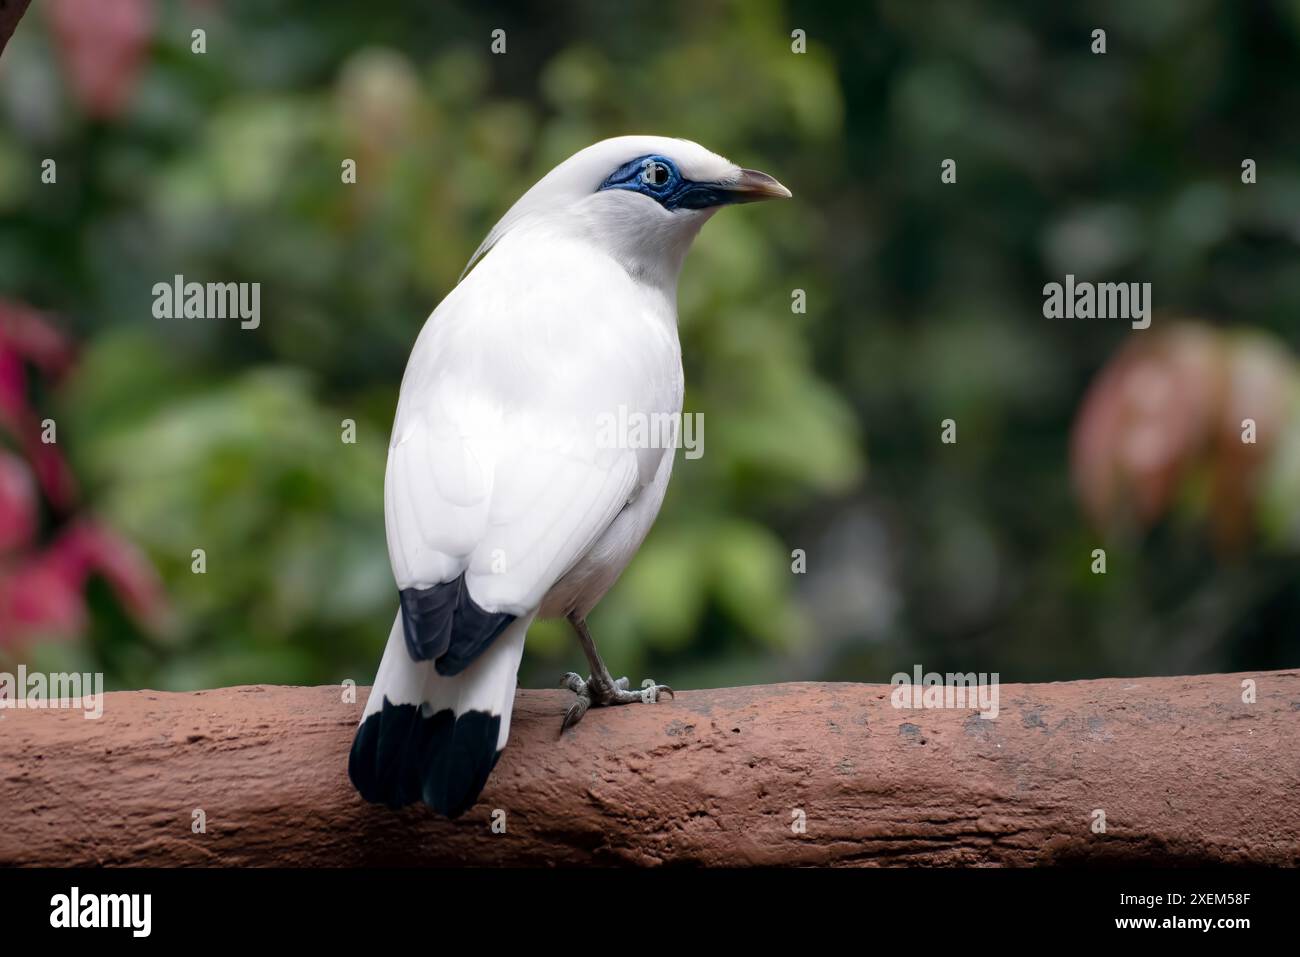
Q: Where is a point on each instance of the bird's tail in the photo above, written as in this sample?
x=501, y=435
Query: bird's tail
x=434, y=738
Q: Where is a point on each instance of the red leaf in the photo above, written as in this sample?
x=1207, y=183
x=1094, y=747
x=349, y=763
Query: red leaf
x=102, y=43
x=17, y=503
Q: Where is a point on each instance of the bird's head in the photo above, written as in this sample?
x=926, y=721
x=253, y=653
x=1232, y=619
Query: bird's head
x=640, y=199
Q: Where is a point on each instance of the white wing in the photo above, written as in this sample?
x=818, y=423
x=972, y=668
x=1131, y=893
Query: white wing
x=498, y=467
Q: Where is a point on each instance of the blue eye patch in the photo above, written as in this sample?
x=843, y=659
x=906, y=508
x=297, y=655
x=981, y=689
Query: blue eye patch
x=659, y=178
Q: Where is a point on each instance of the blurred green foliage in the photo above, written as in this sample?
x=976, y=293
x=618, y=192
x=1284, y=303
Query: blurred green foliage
x=924, y=302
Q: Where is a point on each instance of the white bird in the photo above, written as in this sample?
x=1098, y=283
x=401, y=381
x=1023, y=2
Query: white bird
x=504, y=497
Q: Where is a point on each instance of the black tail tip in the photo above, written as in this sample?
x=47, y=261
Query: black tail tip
x=402, y=755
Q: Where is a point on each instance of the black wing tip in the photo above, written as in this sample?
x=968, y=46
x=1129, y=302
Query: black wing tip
x=444, y=623
x=401, y=756
x=428, y=617
x=473, y=634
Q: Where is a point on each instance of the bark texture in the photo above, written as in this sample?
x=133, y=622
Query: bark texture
x=1183, y=770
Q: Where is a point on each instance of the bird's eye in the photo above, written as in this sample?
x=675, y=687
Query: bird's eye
x=655, y=174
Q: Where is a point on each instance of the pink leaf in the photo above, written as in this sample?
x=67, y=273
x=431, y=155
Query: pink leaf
x=102, y=43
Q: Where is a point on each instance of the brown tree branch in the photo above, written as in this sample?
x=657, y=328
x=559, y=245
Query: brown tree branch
x=11, y=11
x=1184, y=771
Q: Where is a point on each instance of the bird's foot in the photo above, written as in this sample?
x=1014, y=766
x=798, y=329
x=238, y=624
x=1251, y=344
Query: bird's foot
x=598, y=693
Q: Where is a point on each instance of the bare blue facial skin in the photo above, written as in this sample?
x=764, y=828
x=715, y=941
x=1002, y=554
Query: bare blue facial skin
x=659, y=178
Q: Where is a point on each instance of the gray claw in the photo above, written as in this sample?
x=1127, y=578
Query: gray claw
x=575, y=712
x=598, y=694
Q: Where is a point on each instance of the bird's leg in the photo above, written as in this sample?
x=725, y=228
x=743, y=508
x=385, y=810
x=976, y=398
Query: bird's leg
x=600, y=690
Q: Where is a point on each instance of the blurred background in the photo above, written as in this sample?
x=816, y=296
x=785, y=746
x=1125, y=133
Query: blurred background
x=822, y=428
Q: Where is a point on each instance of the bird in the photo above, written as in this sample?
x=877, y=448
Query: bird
x=506, y=498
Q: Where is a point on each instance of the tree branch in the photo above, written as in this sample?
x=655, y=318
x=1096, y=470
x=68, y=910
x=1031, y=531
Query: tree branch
x=11, y=11
x=1184, y=771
